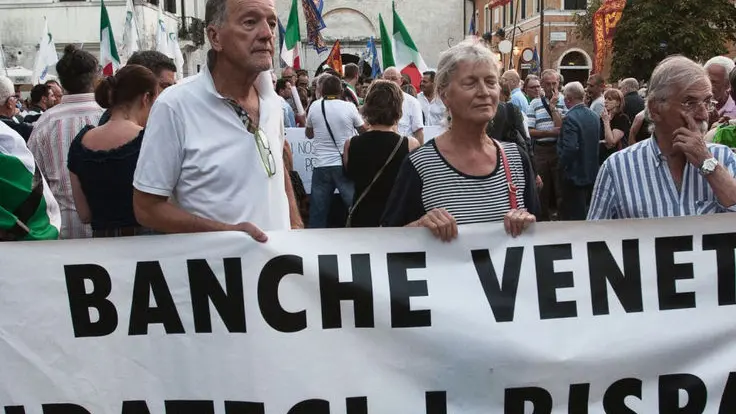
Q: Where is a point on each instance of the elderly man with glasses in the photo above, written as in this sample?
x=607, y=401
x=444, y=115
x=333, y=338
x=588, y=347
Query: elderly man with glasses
x=214, y=145
x=9, y=109
x=673, y=173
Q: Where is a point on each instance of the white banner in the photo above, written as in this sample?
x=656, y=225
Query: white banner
x=608, y=317
x=304, y=157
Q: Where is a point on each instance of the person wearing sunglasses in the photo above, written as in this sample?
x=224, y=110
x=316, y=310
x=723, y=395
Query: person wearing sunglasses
x=673, y=173
x=212, y=153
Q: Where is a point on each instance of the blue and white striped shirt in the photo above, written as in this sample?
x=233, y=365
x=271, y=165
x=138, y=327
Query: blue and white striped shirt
x=539, y=118
x=636, y=183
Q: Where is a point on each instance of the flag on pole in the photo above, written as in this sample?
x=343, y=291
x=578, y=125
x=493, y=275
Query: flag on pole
x=315, y=24
x=471, y=29
x=162, y=37
x=375, y=66
x=109, y=58
x=534, y=69
x=387, y=54
x=176, y=52
x=292, y=39
x=334, y=60
x=3, y=65
x=46, y=55
x=405, y=52
x=131, y=37
x=282, y=36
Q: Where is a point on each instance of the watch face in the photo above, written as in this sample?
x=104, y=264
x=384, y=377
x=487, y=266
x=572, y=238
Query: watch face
x=709, y=165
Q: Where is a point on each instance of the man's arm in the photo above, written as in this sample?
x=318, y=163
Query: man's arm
x=295, y=218
x=542, y=133
x=419, y=135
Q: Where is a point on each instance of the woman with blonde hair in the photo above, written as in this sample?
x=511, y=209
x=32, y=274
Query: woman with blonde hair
x=464, y=176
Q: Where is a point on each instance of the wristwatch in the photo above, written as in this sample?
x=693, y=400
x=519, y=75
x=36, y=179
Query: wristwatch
x=708, y=166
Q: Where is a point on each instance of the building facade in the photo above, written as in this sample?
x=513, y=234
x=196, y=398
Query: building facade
x=434, y=25
x=78, y=22
x=552, y=33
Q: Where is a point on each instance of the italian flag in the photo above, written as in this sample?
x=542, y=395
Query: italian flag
x=17, y=179
x=406, y=55
x=108, y=50
x=292, y=40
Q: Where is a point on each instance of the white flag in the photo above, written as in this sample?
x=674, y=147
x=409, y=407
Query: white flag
x=3, y=65
x=178, y=57
x=46, y=55
x=162, y=38
x=130, y=33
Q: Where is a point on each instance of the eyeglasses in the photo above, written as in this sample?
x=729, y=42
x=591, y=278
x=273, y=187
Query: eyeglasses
x=692, y=105
x=264, y=148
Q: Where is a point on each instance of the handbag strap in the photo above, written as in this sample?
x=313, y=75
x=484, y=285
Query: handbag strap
x=509, y=179
x=330, y=129
x=375, y=178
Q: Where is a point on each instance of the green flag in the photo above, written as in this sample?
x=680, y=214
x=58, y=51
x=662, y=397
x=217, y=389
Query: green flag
x=108, y=50
x=387, y=53
x=290, y=51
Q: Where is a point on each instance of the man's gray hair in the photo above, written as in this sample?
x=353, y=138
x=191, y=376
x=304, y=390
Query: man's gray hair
x=675, y=73
x=469, y=51
x=215, y=13
x=722, y=61
x=574, y=91
x=551, y=72
x=629, y=85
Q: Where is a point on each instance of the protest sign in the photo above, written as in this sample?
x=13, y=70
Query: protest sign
x=605, y=317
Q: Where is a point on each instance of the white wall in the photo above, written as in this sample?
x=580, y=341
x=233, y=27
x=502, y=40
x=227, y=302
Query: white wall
x=21, y=24
x=431, y=24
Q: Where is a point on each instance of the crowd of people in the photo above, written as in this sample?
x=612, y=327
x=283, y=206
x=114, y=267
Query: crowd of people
x=134, y=154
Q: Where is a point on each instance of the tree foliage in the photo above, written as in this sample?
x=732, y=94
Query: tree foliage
x=651, y=30
x=584, y=21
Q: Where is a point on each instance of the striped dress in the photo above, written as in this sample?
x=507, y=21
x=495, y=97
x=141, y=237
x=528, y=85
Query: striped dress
x=427, y=181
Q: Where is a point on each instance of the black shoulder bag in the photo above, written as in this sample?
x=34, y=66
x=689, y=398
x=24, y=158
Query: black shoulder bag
x=342, y=161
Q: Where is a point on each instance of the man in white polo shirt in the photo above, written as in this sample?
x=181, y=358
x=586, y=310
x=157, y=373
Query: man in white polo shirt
x=411, y=122
x=214, y=143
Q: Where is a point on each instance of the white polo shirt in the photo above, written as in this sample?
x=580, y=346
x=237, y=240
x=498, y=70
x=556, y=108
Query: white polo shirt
x=344, y=119
x=197, y=151
x=411, y=118
x=434, y=111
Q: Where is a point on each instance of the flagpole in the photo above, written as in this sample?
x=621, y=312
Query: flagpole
x=513, y=35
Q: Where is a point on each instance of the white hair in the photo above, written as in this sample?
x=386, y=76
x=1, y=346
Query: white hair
x=470, y=51
x=574, y=91
x=7, y=89
x=629, y=85
x=721, y=61
x=676, y=73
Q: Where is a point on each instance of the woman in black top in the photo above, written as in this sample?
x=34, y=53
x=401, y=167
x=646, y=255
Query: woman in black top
x=616, y=125
x=102, y=159
x=365, y=154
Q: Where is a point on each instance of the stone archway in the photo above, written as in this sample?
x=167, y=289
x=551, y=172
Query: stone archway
x=575, y=65
x=346, y=23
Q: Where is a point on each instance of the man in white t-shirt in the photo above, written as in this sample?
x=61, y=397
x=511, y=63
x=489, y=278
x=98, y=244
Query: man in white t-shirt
x=595, y=88
x=330, y=122
x=214, y=143
x=411, y=122
x=434, y=110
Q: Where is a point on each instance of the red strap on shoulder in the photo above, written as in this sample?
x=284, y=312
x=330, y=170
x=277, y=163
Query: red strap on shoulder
x=509, y=180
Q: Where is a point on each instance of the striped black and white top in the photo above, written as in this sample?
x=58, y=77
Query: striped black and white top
x=428, y=181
